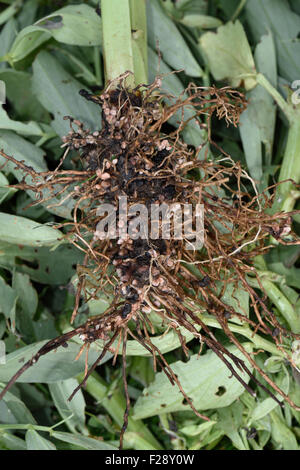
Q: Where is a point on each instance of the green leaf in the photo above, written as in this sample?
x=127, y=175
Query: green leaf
x=82, y=441
x=23, y=150
x=27, y=41
x=60, y=391
x=267, y=15
x=15, y=229
x=282, y=434
x=30, y=128
x=258, y=121
x=79, y=64
x=230, y=420
x=192, y=6
x=14, y=411
x=296, y=354
x=237, y=298
x=53, y=367
x=58, y=92
x=229, y=55
x=192, y=133
x=264, y=407
x=10, y=11
x=27, y=295
x=281, y=260
x=295, y=6
x=273, y=364
x=34, y=441
x=5, y=191
x=19, y=92
x=174, y=49
x=113, y=400
x=8, y=301
x=97, y=306
x=11, y=442
x=200, y=21
x=141, y=369
x=196, y=429
x=54, y=267
x=165, y=343
x=78, y=25
x=75, y=24
x=251, y=139
x=205, y=379
x=7, y=37
x=28, y=13
x=37, y=397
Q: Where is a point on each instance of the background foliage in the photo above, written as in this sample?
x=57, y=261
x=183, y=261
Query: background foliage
x=49, y=50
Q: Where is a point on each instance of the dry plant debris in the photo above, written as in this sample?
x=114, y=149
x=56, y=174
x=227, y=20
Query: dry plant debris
x=134, y=156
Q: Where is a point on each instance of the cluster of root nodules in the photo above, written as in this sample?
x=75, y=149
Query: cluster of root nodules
x=132, y=156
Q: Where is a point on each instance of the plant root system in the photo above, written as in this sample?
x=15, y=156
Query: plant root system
x=134, y=156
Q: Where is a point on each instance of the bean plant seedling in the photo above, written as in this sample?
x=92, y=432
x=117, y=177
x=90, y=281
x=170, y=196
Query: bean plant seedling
x=134, y=154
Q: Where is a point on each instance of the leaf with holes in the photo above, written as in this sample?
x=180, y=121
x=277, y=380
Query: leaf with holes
x=43, y=265
x=14, y=229
x=75, y=24
x=205, y=379
x=78, y=25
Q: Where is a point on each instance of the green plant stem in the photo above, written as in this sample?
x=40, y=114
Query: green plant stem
x=139, y=40
x=117, y=44
x=257, y=341
x=26, y=426
x=124, y=27
x=290, y=168
x=278, y=298
x=289, y=202
x=115, y=404
x=238, y=10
